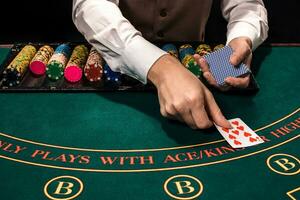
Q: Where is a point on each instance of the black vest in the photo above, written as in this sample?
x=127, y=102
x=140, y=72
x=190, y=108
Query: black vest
x=168, y=20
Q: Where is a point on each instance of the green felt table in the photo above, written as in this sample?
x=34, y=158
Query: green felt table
x=116, y=145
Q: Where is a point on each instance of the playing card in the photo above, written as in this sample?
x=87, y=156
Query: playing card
x=221, y=68
x=240, y=135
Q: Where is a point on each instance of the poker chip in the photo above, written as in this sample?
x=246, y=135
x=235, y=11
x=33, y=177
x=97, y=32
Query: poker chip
x=186, y=53
x=203, y=49
x=56, y=65
x=194, y=68
x=74, y=68
x=55, y=70
x=11, y=78
x=185, y=50
x=187, y=59
x=63, y=49
x=171, y=49
x=190, y=63
x=220, y=46
x=73, y=74
x=110, y=75
x=15, y=71
x=93, y=70
x=39, y=62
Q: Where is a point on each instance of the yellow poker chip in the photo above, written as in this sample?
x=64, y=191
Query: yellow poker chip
x=203, y=49
x=187, y=59
x=15, y=71
x=220, y=46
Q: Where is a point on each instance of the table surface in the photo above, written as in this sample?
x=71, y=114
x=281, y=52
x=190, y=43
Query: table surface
x=120, y=147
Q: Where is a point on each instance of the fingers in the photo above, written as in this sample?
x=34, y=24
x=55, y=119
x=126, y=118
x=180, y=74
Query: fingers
x=241, y=50
x=206, y=72
x=201, y=118
x=195, y=116
x=248, y=60
x=188, y=119
x=168, y=113
x=173, y=113
x=198, y=116
x=202, y=63
x=210, y=79
x=238, y=82
x=215, y=112
x=236, y=58
x=241, y=53
x=183, y=116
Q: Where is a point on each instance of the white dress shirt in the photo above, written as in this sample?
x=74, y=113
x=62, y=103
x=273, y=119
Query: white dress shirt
x=126, y=51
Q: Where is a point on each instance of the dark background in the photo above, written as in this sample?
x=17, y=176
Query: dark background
x=51, y=21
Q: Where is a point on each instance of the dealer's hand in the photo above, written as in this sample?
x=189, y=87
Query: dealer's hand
x=241, y=53
x=183, y=97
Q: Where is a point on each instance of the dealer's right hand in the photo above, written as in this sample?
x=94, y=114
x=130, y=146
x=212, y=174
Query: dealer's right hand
x=182, y=96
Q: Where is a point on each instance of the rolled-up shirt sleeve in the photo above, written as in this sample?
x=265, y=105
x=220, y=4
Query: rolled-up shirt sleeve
x=246, y=18
x=121, y=45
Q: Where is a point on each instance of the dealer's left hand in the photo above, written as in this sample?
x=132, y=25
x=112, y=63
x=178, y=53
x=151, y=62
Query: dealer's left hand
x=242, y=52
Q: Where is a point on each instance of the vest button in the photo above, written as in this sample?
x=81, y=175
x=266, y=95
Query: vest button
x=160, y=34
x=163, y=13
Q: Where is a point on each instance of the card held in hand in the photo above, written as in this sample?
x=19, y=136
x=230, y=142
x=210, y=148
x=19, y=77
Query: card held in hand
x=240, y=135
x=221, y=68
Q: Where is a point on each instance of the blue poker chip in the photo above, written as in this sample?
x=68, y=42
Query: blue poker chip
x=63, y=49
x=171, y=49
x=185, y=50
x=110, y=75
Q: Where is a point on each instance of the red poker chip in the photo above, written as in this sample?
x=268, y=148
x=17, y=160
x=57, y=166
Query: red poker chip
x=37, y=68
x=93, y=72
x=73, y=74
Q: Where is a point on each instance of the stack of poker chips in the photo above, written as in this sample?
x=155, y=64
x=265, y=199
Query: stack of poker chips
x=186, y=53
x=58, y=62
x=111, y=76
x=220, y=46
x=13, y=74
x=40, y=60
x=74, y=68
x=203, y=49
x=171, y=49
x=93, y=70
x=185, y=50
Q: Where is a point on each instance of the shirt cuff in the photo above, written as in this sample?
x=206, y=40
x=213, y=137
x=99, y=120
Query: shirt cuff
x=139, y=56
x=243, y=29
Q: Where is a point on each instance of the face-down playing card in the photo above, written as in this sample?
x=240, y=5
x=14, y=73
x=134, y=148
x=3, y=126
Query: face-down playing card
x=221, y=68
x=240, y=135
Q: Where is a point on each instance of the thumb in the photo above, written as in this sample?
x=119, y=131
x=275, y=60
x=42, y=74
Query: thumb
x=237, y=57
x=240, y=53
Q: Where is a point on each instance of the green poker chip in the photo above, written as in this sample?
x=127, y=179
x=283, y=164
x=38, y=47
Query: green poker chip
x=194, y=68
x=55, y=70
x=11, y=77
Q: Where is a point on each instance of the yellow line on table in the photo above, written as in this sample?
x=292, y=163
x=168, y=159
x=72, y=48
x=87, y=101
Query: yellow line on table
x=141, y=150
x=150, y=170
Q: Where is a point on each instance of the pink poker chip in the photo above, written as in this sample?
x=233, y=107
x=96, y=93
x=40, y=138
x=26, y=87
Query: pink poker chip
x=37, y=68
x=73, y=74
